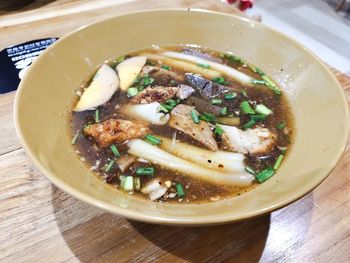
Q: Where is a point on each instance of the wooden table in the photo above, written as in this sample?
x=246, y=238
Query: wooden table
x=40, y=223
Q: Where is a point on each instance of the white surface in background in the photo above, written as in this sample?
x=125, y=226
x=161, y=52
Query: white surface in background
x=328, y=55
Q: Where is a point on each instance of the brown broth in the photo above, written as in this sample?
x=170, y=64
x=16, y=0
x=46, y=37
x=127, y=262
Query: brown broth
x=196, y=190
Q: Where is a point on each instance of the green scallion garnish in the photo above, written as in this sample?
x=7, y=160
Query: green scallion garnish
x=147, y=80
x=216, y=101
x=115, y=151
x=223, y=111
x=258, y=81
x=166, y=67
x=145, y=171
x=195, y=116
x=258, y=117
x=249, y=124
x=203, y=65
x=264, y=175
x=137, y=183
x=74, y=140
x=127, y=183
x=230, y=96
x=233, y=58
x=249, y=170
x=97, y=116
x=163, y=108
x=244, y=93
x=109, y=166
x=246, y=108
x=262, y=109
x=220, y=80
x=132, y=91
x=281, y=125
x=278, y=161
x=153, y=139
x=218, y=130
x=208, y=117
x=180, y=190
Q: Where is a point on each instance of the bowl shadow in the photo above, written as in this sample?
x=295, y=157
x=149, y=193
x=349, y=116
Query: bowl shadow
x=95, y=236
x=22, y=5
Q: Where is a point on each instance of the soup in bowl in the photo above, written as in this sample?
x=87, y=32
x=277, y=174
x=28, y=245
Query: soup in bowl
x=204, y=118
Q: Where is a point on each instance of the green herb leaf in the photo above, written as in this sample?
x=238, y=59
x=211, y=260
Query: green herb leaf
x=233, y=58
x=244, y=93
x=264, y=175
x=127, y=184
x=147, y=80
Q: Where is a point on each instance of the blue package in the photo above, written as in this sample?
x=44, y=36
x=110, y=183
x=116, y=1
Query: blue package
x=15, y=60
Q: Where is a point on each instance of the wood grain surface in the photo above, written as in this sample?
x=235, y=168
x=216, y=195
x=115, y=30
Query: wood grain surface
x=40, y=223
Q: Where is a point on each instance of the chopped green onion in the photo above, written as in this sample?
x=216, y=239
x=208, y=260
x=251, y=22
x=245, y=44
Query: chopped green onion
x=223, y=111
x=262, y=109
x=264, y=175
x=221, y=81
x=132, y=91
x=271, y=85
x=278, y=161
x=74, y=140
x=137, y=183
x=109, y=166
x=249, y=170
x=281, y=125
x=216, y=101
x=258, y=117
x=218, y=130
x=127, y=184
x=163, y=108
x=230, y=96
x=195, y=116
x=249, y=124
x=147, y=80
x=208, y=117
x=233, y=58
x=115, y=151
x=170, y=104
x=153, y=139
x=166, y=67
x=282, y=149
x=145, y=171
x=244, y=93
x=97, y=116
x=172, y=82
x=180, y=190
x=258, y=81
x=203, y=65
x=246, y=108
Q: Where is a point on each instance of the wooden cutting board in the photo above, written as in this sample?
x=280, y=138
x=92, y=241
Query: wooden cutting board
x=40, y=223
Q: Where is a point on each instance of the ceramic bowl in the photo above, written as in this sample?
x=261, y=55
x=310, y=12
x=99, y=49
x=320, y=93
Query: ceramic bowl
x=43, y=103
